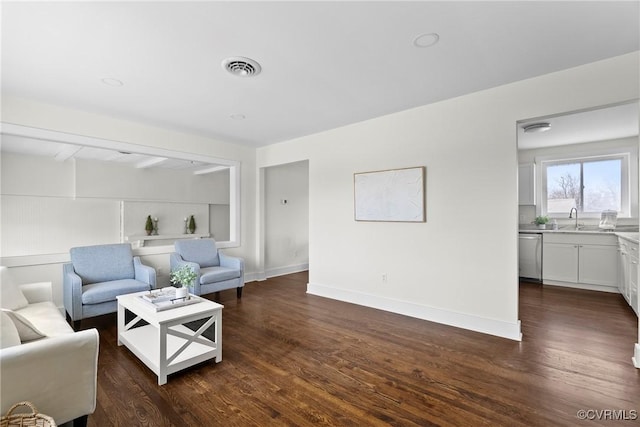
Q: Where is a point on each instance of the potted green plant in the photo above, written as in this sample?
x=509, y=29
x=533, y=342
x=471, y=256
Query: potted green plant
x=541, y=222
x=192, y=225
x=148, y=225
x=185, y=277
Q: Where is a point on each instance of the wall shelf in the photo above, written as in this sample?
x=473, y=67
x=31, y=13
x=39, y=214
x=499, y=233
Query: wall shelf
x=142, y=238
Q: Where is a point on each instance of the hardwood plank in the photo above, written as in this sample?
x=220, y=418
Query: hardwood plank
x=294, y=359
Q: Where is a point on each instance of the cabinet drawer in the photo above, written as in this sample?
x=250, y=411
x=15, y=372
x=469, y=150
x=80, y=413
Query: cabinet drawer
x=582, y=239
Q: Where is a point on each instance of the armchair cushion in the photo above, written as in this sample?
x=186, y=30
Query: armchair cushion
x=200, y=251
x=217, y=274
x=97, y=293
x=26, y=330
x=46, y=317
x=11, y=296
x=9, y=336
x=102, y=263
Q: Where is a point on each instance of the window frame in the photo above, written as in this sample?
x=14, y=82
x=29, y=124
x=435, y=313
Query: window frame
x=629, y=185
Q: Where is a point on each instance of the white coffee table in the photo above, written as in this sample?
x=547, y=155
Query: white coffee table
x=165, y=345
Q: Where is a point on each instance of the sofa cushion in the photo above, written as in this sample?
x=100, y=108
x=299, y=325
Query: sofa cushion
x=47, y=318
x=11, y=296
x=217, y=274
x=9, y=336
x=102, y=263
x=97, y=293
x=26, y=330
x=200, y=251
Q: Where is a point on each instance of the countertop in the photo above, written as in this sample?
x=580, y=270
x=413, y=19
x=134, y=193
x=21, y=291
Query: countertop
x=630, y=235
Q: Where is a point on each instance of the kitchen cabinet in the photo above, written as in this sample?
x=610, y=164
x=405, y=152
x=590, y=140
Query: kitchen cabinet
x=589, y=261
x=633, y=284
x=527, y=184
x=628, y=271
x=560, y=262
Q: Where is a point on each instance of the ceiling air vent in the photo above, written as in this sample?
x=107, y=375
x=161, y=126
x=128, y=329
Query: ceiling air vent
x=241, y=67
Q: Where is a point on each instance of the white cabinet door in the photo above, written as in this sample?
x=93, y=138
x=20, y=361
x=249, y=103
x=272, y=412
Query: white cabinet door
x=560, y=262
x=623, y=271
x=527, y=184
x=633, y=284
x=597, y=265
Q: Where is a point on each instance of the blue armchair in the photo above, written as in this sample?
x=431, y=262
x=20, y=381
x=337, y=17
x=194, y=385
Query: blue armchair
x=97, y=274
x=215, y=270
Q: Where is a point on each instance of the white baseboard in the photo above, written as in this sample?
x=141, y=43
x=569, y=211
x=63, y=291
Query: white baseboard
x=636, y=356
x=281, y=271
x=460, y=320
x=600, y=288
x=260, y=276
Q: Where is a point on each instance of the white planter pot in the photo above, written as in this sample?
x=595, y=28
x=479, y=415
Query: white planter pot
x=542, y=226
x=182, y=292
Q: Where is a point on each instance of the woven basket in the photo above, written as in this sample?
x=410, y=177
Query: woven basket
x=32, y=419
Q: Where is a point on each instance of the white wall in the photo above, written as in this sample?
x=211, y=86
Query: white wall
x=286, y=225
x=460, y=267
x=39, y=115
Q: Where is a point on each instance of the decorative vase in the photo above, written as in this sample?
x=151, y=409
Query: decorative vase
x=182, y=292
x=542, y=226
x=148, y=225
x=192, y=225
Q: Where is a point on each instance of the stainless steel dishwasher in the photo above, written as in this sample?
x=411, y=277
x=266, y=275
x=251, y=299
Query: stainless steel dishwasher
x=530, y=256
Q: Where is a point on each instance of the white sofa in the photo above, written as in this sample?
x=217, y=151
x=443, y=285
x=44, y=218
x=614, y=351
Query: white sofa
x=42, y=360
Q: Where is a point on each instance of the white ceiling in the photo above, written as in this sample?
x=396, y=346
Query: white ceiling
x=325, y=64
x=601, y=124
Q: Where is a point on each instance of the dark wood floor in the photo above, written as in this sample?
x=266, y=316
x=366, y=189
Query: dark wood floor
x=299, y=360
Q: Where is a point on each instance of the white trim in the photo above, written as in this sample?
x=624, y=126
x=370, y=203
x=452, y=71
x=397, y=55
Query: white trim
x=59, y=258
x=636, y=356
x=460, y=320
x=281, y=271
x=586, y=286
x=32, y=260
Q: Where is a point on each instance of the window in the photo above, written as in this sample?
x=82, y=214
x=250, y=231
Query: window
x=590, y=184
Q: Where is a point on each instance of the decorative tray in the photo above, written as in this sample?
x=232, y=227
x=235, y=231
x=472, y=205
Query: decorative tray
x=165, y=299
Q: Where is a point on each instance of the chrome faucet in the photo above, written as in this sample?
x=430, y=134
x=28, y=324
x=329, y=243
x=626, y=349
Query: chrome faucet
x=570, y=216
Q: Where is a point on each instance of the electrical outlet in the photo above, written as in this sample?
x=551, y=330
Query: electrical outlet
x=384, y=277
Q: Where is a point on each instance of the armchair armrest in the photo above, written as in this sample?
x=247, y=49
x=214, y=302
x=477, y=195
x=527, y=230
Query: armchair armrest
x=58, y=375
x=176, y=261
x=231, y=261
x=144, y=273
x=72, y=290
x=37, y=292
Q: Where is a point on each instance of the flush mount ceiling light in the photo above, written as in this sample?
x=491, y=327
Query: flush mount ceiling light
x=426, y=40
x=112, y=82
x=537, y=127
x=241, y=66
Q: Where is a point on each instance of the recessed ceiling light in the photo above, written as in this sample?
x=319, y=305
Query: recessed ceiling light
x=426, y=40
x=112, y=82
x=238, y=116
x=241, y=66
x=537, y=127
